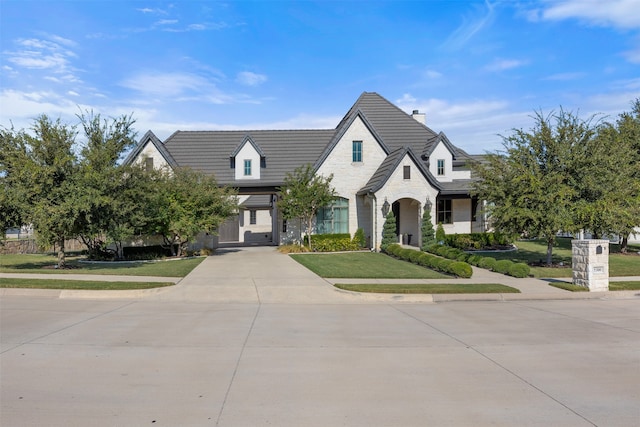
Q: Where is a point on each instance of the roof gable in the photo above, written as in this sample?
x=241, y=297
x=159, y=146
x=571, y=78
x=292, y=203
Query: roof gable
x=342, y=129
x=248, y=139
x=390, y=164
x=150, y=138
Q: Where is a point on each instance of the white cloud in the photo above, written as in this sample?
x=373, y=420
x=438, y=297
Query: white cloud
x=633, y=56
x=612, y=13
x=166, y=22
x=432, y=74
x=248, y=78
x=505, y=64
x=565, y=76
x=166, y=84
x=473, y=23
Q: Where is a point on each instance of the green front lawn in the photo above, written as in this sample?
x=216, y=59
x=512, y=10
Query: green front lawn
x=536, y=251
x=363, y=265
x=613, y=286
x=431, y=288
x=37, y=263
x=78, y=284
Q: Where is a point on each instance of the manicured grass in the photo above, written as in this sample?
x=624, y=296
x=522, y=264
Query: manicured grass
x=435, y=288
x=363, y=265
x=37, y=263
x=613, y=286
x=536, y=251
x=624, y=286
x=78, y=284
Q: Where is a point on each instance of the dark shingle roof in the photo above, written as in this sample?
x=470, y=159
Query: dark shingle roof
x=257, y=201
x=457, y=187
x=284, y=150
x=395, y=127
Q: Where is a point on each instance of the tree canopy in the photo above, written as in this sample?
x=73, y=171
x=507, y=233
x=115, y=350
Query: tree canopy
x=303, y=193
x=563, y=175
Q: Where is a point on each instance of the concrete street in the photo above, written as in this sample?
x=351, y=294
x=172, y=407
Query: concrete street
x=272, y=344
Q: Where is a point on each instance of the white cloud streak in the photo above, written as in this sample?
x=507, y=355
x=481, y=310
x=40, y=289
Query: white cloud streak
x=623, y=14
x=248, y=78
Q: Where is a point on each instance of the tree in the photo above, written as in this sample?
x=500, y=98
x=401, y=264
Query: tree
x=303, y=193
x=40, y=173
x=10, y=215
x=531, y=186
x=186, y=202
x=109, y=210
x=389, y=235
x=428, y=233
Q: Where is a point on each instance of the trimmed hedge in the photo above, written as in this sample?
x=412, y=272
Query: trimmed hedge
x=444, y=265
x=519, y=270
x=473, y=241
x=503, y=266
x=331, y=242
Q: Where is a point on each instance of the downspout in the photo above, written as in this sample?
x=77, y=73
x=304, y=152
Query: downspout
x=374, y=222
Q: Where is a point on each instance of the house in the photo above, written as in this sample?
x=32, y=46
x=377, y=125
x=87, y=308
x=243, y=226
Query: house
x=381, y=159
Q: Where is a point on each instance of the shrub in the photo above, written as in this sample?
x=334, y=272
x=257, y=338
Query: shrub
x=487, y=262
x=393, y=249
x=426, y=260
x=460, y=269
x=388, y=232
x=428, y=233
x=207, y=251
x=440, y=235
x=405, y=253
x=519, y=270
x=331, y=242
x=359, y=239
x=414, y=256
x=474, y=259
x=292, y=249
x=462, y=257
x=503, y=266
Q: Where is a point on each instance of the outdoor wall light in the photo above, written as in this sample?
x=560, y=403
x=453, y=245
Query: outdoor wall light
x=385, y=207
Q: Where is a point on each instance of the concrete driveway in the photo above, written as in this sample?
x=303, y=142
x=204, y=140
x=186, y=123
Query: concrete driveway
x=184, y=358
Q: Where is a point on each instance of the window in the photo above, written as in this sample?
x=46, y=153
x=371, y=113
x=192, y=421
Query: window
x=440, y=167
x=357, y=151
x=474, y=209
x=444, y=212
x=334, y=218
x=148, y=164
x=252, y=216
x=284, y=225
x=407, y=172
x=247, y=168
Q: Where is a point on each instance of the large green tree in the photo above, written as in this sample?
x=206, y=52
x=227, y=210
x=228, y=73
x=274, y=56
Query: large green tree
x=40, y=175
x=110, y=212
x=303, y=193
x=185, y=202
x=531, y=185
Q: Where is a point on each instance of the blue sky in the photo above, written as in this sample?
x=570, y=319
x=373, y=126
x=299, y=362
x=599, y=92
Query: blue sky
x=476, y=68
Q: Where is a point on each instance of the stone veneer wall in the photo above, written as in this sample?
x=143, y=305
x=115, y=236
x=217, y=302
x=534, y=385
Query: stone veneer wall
x=590, y=262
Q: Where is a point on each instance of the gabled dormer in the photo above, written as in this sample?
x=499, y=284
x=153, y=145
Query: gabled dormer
x=440, y=155
x=247, y=159
x=151, y=153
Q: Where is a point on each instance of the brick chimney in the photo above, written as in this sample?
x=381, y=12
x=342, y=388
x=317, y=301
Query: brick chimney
x=419, y=117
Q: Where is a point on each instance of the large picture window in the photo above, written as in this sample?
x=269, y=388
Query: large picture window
x=334, y=218
x=444, y=213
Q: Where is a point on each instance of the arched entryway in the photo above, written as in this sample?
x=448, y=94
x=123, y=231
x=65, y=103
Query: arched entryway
x=408, y=216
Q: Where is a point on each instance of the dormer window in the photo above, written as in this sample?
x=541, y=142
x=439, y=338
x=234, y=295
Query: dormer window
x=440, y=168
x=247, y=160
x=406, y=172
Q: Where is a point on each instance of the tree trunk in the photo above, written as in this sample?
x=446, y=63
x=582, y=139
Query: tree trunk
x=549, y=251
x=119, y=251
x=61, y=257
x=309, y=225
x=624, y=245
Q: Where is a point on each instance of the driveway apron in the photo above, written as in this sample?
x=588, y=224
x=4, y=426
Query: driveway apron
x=253, y=275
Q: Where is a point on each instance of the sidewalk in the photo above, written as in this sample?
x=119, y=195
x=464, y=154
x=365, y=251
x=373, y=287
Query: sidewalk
x=263, y=275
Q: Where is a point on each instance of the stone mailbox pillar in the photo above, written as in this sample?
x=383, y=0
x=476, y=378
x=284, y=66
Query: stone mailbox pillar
x=590, y=263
